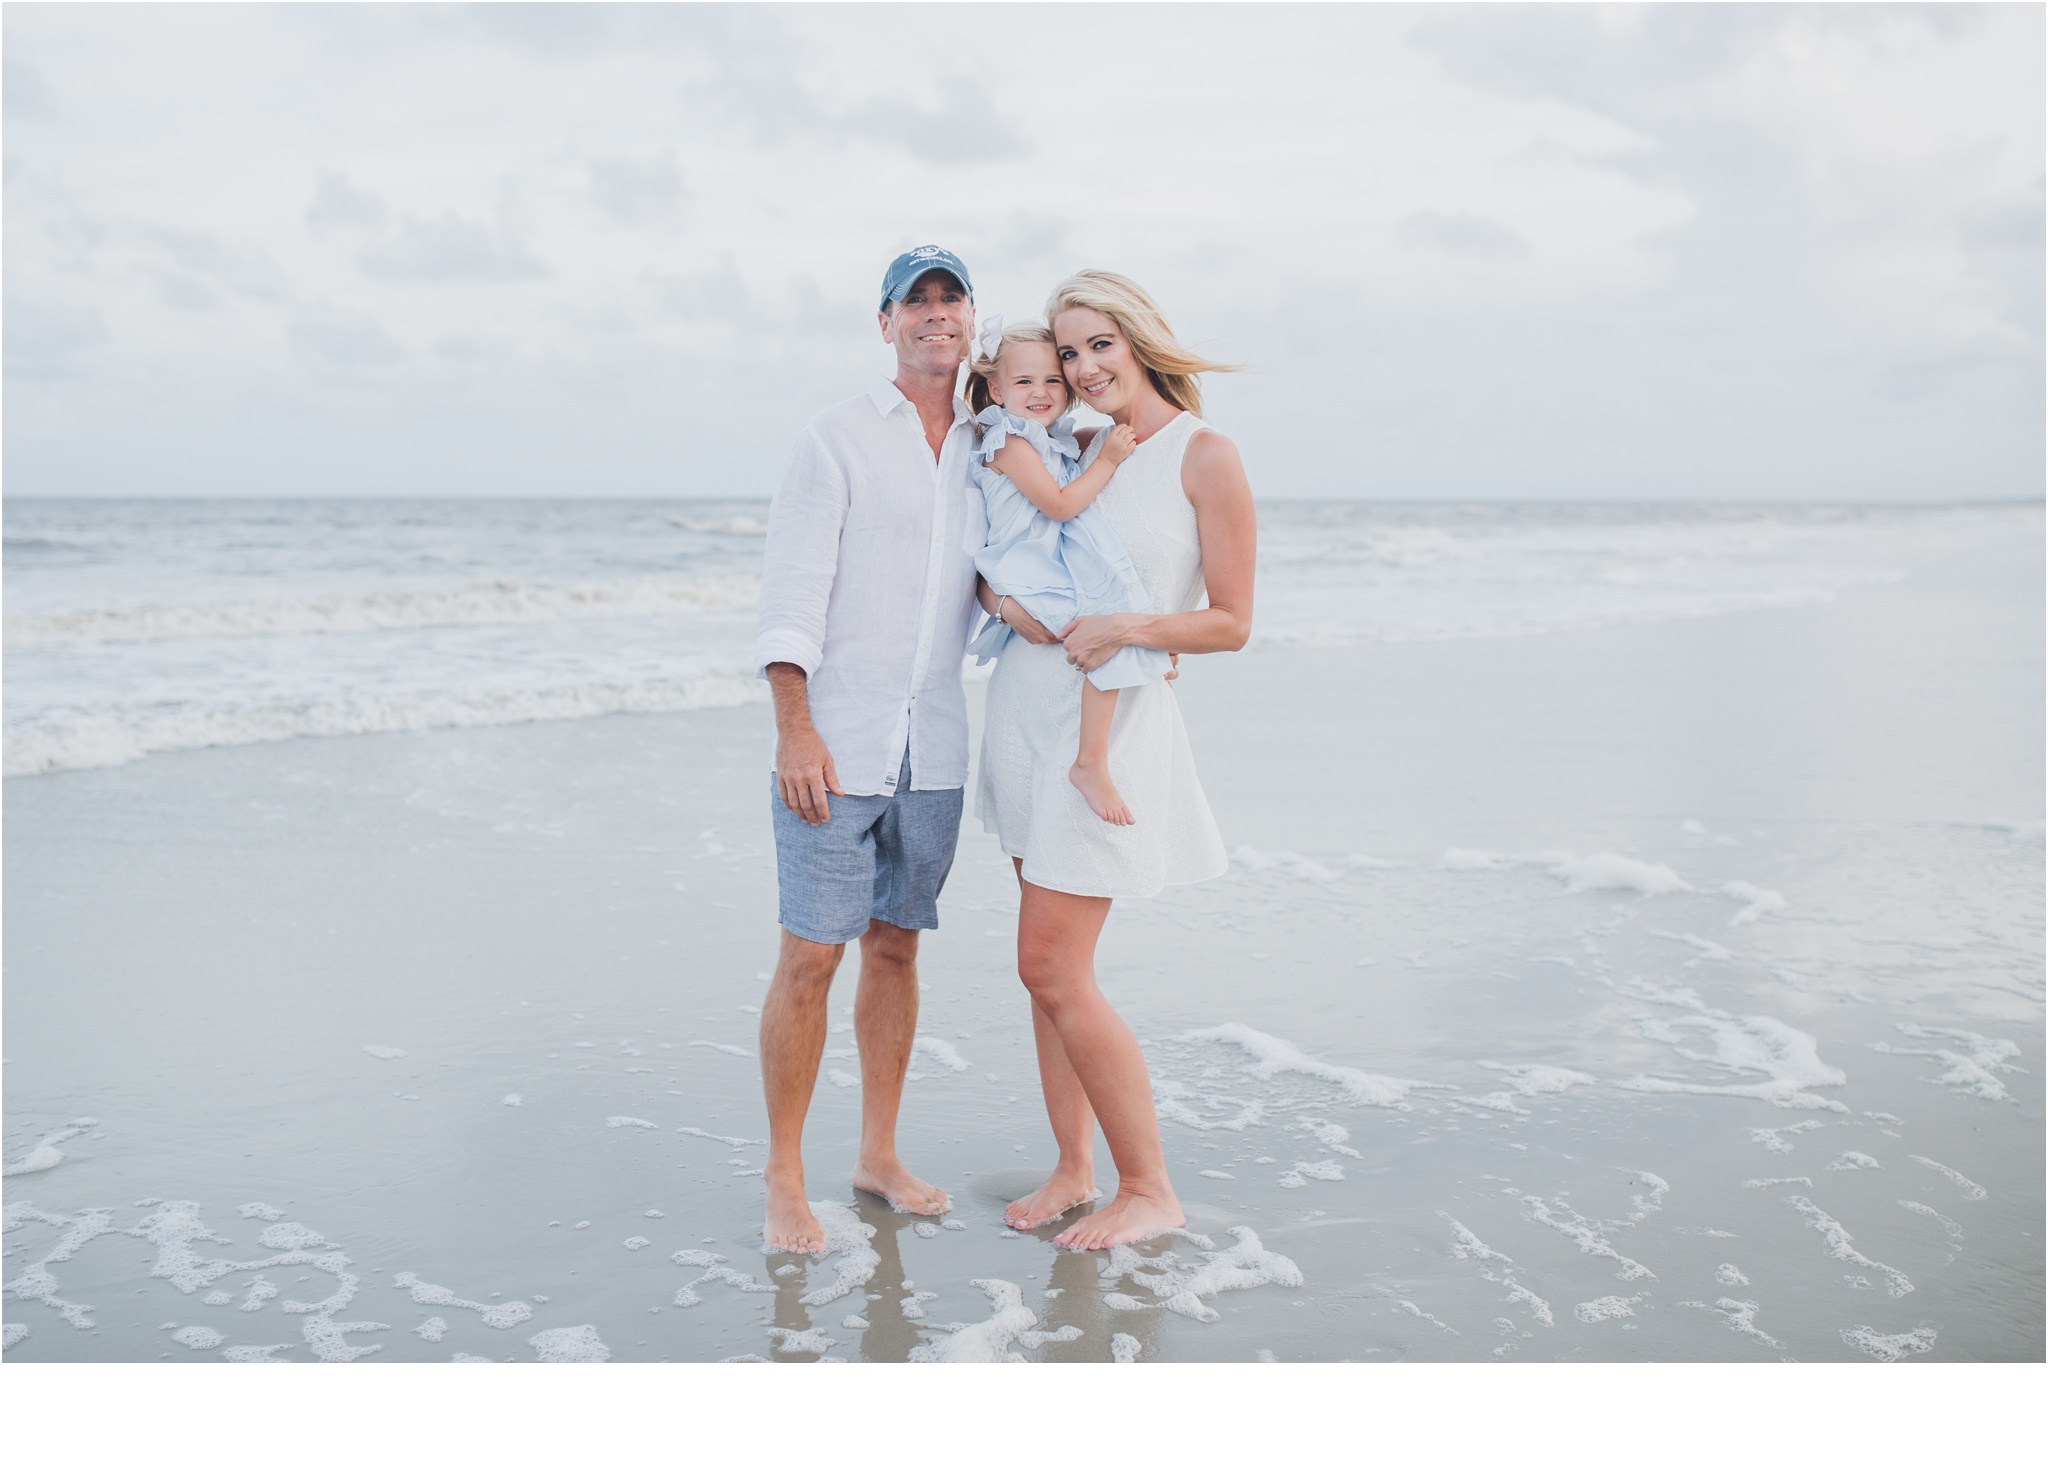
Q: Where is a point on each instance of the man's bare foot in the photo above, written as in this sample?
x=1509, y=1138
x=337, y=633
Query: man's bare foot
x=1094, y=782
x=1062, y=1191
x=902, y=1190
x=790, y=1225
x=1130, y=1217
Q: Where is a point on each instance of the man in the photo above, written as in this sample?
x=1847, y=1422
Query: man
x=865, y=604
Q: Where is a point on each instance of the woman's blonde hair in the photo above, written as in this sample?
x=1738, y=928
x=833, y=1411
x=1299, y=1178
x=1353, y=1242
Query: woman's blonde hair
x=1171, y=366
x=983, y=368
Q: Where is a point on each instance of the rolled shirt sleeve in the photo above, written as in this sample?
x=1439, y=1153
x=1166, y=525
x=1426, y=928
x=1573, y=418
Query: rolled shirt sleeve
x=801, y=558
x=865, y=588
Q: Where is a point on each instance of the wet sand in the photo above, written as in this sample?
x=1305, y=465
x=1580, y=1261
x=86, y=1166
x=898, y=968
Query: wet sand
x=1667, y=991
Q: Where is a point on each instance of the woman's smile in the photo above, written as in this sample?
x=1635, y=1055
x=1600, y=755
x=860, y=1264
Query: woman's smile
x=1093, y=352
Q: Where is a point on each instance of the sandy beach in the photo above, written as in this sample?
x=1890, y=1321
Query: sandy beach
x=1668, y=989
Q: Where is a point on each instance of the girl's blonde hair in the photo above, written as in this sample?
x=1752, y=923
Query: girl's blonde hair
x=1170, y=365
x=983, y=368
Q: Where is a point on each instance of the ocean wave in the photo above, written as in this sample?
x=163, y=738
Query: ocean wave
x=1305, y=622
x=494, y=602
x=70, y=742
x=744, y=525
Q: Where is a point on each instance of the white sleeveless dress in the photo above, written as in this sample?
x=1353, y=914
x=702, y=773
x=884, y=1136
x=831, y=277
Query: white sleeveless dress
x=1033, y=723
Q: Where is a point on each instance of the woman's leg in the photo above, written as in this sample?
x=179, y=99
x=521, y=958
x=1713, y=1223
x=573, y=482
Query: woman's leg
x=1056, y=935
x=1072, y=1181
x=1090, y=772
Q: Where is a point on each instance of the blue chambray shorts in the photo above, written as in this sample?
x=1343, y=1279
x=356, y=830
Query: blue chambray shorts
x=878, y=858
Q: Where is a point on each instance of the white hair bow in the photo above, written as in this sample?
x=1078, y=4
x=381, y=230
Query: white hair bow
x=990, y=337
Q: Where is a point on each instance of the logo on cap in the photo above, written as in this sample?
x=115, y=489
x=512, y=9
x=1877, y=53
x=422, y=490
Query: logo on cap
x=908, y=266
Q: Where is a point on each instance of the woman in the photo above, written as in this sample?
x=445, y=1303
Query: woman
x=1182, y=507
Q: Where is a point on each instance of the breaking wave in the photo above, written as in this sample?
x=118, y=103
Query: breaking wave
x=66, y=742
x=486, y=603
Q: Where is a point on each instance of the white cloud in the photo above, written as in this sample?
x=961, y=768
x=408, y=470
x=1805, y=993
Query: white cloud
x=26, y=90
x=638, y=192
x=1463, y=236
x=47, y=339
x=332, y=337
x=338, y=205
x=1671, y=251
x=449, y=248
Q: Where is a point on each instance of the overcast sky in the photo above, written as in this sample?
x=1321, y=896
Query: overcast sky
x=1683, y=252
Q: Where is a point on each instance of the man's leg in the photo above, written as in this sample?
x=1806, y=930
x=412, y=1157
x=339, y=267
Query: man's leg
x=792, y=1043
x=914, y=844
x=885, y=1025
x=826, y=876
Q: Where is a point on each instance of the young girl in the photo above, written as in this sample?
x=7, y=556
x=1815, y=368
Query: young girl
x=1047, y=548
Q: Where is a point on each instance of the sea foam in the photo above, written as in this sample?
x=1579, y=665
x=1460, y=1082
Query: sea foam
x=35, y=1282
x=569, y=1345
x=1273, y=1055
x=499, y=602
x=1838, y=1244
x=1578, y=872
x=44, y=1154
x=989, y=1340
x=502, y=1315
x=1525, y=1080
x=1180, y=1285
x=846, y=1244
x=1788, y=1058
x=66, y=741
x=1974, y=1071
x=1889, y=1347
x=1284, y=862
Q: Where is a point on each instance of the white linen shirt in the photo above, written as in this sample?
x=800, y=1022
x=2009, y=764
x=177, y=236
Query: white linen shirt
x=869, y=588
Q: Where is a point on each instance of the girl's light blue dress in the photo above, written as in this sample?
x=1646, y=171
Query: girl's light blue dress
x=1055, y=570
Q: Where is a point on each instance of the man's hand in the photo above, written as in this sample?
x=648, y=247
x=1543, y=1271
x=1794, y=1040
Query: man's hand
x=803, y=764
x=803, y=773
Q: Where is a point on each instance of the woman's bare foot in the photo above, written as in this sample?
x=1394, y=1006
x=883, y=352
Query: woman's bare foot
x=1094, y=782
x=902, y=1190
x=1062, y=1191
x=1130, y=1217
x=790, y=1225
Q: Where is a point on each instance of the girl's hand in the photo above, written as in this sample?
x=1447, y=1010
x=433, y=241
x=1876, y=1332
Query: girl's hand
x=1024, y=623
x=1092, y=640
x=1119, y=445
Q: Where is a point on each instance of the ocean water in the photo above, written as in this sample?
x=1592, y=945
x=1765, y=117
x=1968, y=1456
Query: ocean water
x=140, y=627
x=1632, y=949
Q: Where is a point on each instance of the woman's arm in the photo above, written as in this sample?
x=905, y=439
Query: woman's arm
x=1212, y=476
x=1013, y=615
x=1019, y=462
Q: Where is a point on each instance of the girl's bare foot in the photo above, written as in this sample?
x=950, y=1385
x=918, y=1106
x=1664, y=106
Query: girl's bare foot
x=904, y=1192
x=790, y=1225
x=1130, y=1217
x=1062, y=1191
x=1094, y=782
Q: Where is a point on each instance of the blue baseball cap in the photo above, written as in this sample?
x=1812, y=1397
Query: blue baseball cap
x=914, y=264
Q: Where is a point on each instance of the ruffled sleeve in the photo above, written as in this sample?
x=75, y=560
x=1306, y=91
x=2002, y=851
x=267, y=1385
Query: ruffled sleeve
x=998, y=427
x=1062, y=439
